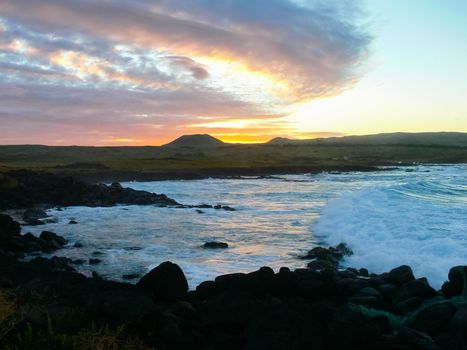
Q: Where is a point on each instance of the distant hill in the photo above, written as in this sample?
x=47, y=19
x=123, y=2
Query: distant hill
x=447, y=139
x=197, y=140
x=280, y=141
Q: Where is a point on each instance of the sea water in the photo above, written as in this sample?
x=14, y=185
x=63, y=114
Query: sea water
x=412, y=215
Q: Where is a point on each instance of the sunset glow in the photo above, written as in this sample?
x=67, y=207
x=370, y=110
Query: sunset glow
x=144, y=72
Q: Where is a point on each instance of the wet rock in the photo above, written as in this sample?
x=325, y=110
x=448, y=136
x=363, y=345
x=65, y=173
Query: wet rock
x=435, y=318
x=33, y=216
x=215, y=245
x=363, y=272
x=325, y=254
x=131, y=276
x=401, y=275
x=8, y=226
x=79, y=261
x=321, y=265
x=416, y=288
x=72, y=222
x=166, y=281
x=36, y=189
x=457, y=276
x=94, y=261
x=53, y=238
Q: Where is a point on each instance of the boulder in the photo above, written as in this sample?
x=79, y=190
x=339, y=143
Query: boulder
x=435, y=318
x=33, y=216
x=8, y=226
x=53, y=237
x=416, y=288
x=94, y=261
x=166, y=281
x=457, y=277
x=215, y=245
x=401, y=275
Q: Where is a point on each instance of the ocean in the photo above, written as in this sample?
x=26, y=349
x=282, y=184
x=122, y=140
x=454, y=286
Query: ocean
x=412, y=215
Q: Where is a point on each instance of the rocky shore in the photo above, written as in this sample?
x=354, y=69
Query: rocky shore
x=33, y=192
x=51, y=306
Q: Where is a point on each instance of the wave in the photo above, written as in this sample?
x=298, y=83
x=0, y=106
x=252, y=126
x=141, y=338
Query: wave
x=420, y=223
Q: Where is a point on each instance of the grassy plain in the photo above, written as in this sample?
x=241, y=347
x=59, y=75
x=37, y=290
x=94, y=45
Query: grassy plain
x=181, y=161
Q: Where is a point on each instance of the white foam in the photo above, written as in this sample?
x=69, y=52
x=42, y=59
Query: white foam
x=387, y=227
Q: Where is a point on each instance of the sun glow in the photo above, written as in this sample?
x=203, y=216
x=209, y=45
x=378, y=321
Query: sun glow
x=242, y=79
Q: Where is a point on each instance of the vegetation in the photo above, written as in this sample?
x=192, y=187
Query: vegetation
x=212, y=159
x=71, y=331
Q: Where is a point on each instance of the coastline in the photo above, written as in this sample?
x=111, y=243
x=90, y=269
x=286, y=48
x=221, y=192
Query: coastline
x=321, y=306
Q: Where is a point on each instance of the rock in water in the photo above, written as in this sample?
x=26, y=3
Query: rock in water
x=401, y=275
x=8, y=226
x=215, y=245
x=33, y=216
x=50, y=236
x=166, y=281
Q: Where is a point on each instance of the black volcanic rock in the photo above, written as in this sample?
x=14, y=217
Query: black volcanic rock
x=45, y=189
x=33, y=216
x=215, y=245
x=165, y=282
x=418, y=288
x=401, y=275
x=50, y=236
x=12, y=243
x=435, y=318
x=8, y=226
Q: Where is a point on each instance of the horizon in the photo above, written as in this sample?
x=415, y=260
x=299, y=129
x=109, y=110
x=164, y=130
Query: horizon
x=243, y=73
x=241, y=143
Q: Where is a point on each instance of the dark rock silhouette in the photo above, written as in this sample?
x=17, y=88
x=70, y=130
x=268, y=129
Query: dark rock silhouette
x=165, y=282
x=215, y=245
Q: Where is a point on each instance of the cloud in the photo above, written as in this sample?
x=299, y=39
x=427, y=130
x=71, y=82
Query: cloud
x=169, y=59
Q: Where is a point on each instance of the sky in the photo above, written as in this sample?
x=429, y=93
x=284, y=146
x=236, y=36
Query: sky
x=143, y=72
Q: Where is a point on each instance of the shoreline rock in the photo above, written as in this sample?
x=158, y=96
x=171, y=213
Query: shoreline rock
x=305, y=308
x=34, y=192
x=215, y=245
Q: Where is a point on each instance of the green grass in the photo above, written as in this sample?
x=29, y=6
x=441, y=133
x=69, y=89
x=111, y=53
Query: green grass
x=295, y=156
x=71, y=331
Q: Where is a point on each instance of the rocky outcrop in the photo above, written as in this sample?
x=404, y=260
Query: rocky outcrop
x=299, y=309
x=32, y=190
x=165, y=282
x=14, y=244
x=215, y=245
x=308, y=308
